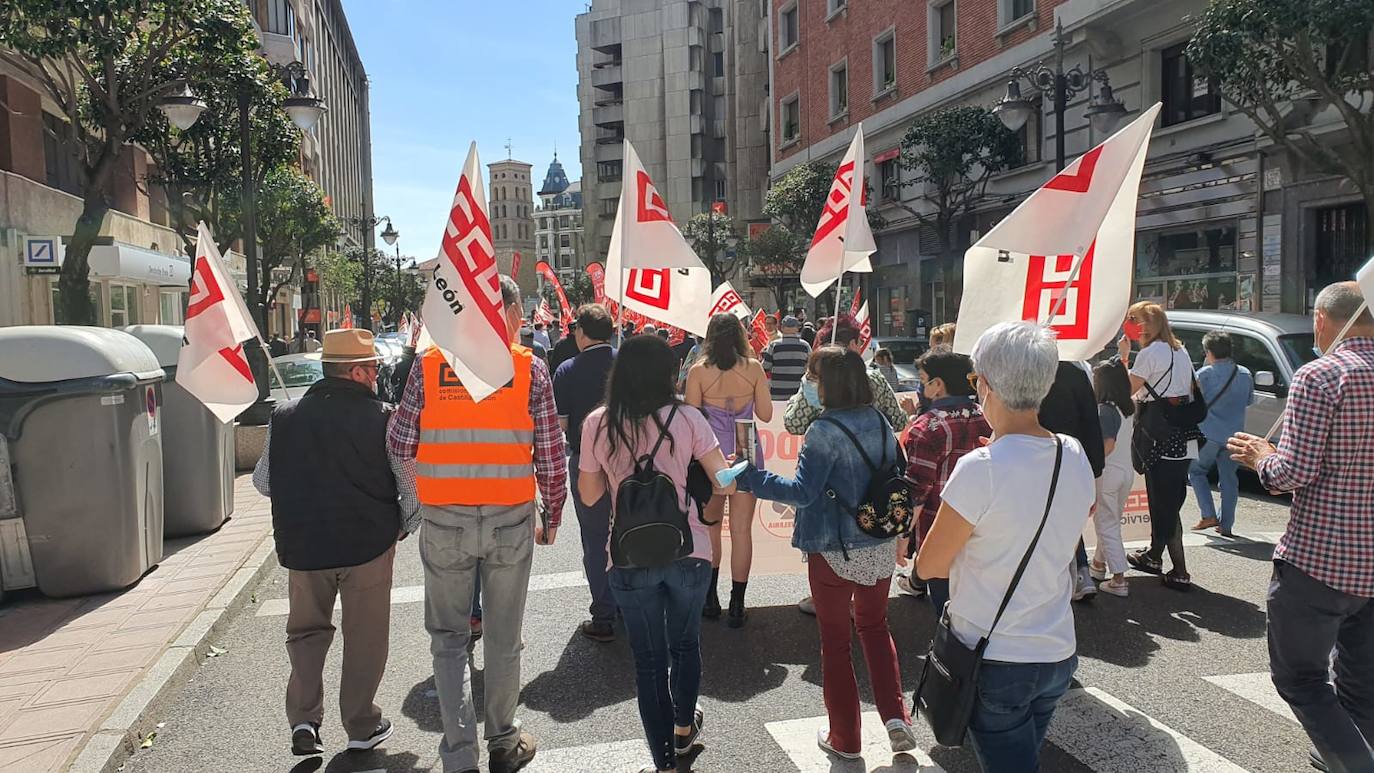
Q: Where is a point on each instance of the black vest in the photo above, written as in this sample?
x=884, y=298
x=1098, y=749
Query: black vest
x=334, y=499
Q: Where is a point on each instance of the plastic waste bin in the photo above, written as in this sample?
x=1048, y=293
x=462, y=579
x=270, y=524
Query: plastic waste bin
x=197, y=448
x=79, y=410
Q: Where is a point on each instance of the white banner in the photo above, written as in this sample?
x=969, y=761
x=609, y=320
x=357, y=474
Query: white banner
x=843, y=240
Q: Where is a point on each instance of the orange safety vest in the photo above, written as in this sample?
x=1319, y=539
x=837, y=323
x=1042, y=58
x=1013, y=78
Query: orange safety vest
x=475, y=453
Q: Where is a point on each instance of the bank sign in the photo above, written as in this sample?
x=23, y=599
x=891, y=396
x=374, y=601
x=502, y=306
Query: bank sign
x=42, y=254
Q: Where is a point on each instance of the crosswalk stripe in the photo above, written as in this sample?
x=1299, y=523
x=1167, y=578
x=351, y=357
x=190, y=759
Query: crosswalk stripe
x=1203, y=539
x=1257, y=689
x=412, y=594
x=1111, y=736
x=797, y=738
x=592, y=758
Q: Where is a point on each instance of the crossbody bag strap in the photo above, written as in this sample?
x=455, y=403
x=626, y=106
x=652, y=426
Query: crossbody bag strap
x=867, y=460
x=1025, y=559
x=1169, y=374
x=1235, y=371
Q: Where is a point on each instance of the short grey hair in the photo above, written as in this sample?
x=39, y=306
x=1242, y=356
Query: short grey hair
x=510, y=292
x=1018, y=360
x=1340, y=300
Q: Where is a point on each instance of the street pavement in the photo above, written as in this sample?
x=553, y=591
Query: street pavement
x=1167, y=682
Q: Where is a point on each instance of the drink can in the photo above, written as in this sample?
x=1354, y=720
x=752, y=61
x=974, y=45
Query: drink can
x=746, y=440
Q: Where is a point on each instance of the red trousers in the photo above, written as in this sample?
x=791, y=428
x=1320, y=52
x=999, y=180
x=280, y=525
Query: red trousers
x=832, y=595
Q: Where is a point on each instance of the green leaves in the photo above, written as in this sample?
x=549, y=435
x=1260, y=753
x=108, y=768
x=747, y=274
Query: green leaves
x=954, y=147
x=709, y=233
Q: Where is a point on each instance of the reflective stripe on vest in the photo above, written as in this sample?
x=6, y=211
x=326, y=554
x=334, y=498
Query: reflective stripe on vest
x=475, y=453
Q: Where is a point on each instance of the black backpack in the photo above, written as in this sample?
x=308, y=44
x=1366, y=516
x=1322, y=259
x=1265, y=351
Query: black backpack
x=886, y=509
x=648, y=525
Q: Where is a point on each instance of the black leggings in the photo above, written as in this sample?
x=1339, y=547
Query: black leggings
x=1166, y=483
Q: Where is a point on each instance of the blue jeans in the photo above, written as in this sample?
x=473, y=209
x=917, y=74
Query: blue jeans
x=1213, y=454
x=1015, y=704
x=1333, y=698
x=937, y=590
x=595, y=525
x=662, y=611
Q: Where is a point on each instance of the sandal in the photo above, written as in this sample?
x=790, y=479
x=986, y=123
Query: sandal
x=1178, y=582
x=1141, y=560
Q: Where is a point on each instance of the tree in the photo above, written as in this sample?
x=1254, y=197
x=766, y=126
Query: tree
x=340, y=274
x=293, y=222
x=578, y=289
x=1280, y=61
x=954, y=152
x=107, y=64
x=710, y=234
x=776, y=257
x=411, y=292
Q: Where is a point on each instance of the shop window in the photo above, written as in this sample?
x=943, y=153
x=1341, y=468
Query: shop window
x=1341, y=246
x=124, y=305
x=55, y=297
x=1198, y=250
x=1186, y=94
x=170, y=306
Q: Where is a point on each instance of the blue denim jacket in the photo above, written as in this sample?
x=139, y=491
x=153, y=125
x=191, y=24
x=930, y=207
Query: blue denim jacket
x=828, y=461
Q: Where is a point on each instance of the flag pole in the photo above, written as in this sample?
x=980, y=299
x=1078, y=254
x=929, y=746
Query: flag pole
x=835, y=325
x=1339, y=337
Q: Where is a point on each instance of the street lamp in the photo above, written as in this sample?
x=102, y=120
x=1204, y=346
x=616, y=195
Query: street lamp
x=182, y=109
x=1014, y=110
x=364, y=224
x=390, y=235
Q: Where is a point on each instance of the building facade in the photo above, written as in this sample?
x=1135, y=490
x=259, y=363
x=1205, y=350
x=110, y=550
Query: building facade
x=511, y=211
x=1225, y=220
x=558, y=224
x=686, y=82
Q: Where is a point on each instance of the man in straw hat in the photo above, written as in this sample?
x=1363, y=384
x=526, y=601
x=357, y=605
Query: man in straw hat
x=336, y=517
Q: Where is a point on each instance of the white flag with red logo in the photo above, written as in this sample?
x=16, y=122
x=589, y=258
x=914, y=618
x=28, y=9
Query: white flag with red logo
x=463, y=311
x=865, y=326
x=843, y=240
x=1066, y=256
x=726, y=300
x=543, y=314
x=211, y=364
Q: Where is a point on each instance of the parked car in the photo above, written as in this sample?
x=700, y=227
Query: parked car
x=1272, y=346
x=904, y=350
x=298, y=371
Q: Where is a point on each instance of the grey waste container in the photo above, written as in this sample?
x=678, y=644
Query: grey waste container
x=197, y=448
x=79, y=409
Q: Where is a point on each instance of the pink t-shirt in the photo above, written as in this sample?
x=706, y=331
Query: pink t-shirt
x=691, y=437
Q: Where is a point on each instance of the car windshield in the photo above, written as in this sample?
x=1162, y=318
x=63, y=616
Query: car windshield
x=1299, y=348
x=297, y=373
x=903, y=352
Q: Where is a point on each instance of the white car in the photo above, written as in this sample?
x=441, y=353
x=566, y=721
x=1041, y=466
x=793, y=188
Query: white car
x=298, y=371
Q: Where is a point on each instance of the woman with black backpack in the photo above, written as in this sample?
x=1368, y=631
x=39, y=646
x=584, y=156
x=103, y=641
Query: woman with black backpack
x=846, y=564
x=640, y=447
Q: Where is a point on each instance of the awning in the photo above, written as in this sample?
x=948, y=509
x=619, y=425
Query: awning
x=136, y=264
x=887, y=155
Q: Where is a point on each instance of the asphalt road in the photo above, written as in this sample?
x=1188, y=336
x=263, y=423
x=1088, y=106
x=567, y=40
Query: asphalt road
x=1145, y=664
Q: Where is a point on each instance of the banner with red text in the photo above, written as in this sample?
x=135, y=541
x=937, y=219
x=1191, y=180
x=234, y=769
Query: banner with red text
x=546, y=271
x=597, y=273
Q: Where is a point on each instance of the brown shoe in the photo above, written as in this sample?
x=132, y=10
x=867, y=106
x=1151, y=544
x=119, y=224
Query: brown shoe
x=1206, y=523
x=514, y=758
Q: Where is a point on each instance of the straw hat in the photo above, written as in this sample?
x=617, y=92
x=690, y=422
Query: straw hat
x=343, y=346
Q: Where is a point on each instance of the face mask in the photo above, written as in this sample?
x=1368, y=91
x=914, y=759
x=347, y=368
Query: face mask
x=811, y=392
x=1133, y=330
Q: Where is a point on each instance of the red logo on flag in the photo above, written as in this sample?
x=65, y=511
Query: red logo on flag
x=1079, y=181
x=235, y=358
x=836, y=204
x=727, y=301
x=1048, y=287
x=651, y=206
x=205, y=291
x=650, y=286
x=467, y=247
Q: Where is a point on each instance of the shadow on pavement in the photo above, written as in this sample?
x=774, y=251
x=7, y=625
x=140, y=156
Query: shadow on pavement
x=589, y=676
x=1243, y=548
x=421, y=704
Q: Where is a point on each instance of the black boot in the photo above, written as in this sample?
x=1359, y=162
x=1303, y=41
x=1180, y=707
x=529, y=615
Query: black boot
x=712, y=609
x=736, y=619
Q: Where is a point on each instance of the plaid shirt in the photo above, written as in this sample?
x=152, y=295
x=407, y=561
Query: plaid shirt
x=934, y=442
x=1327, y=460
x=550, y=464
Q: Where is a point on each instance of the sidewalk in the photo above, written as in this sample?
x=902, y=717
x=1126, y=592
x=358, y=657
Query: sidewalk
x=76, y=675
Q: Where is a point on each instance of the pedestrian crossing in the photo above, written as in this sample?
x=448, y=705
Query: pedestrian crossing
x=1098, y=730
x=414, y=594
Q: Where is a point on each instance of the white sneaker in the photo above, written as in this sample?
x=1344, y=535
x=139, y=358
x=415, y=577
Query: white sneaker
x=1116, y=587
x=823, y=741
x=807, y=606
x=1084, y=588
x=901, y=735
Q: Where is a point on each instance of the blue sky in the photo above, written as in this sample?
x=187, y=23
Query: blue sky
x=447, y=72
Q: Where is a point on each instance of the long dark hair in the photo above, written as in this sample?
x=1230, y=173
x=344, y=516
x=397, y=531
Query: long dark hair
x=843, y=378
x=725, y=343
x=642, y=380
x=1113, y=386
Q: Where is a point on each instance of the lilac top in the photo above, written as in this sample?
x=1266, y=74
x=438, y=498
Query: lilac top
x=691, y=438
x=722, y=421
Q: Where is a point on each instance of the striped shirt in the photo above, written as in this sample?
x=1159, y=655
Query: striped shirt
x=784, y=360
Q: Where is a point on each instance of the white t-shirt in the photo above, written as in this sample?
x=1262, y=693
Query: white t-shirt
x=1119, y=460
x=1152, y=364
x=1001, y=490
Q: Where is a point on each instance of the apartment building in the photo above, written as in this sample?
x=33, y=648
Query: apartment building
x=558, y=223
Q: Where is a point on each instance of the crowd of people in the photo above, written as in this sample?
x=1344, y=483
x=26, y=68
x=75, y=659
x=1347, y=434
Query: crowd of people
x=1006, y=454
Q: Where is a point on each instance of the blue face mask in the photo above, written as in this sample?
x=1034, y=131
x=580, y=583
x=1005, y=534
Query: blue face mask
x=811, y=392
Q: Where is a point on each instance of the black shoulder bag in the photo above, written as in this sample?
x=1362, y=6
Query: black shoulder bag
x=948, y=687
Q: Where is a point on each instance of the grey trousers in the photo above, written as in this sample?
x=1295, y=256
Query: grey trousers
x=456, y=543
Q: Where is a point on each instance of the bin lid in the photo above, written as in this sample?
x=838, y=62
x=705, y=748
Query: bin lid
x=45, y=353
x=164, y=340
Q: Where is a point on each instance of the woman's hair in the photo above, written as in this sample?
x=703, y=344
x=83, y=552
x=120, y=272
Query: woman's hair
x=1018, y=360
x=843, y=378
x=642, y=380
x=1112, y=384
x=942, y=335
x=848, y=331
x=1154, y=324
x=945, y=364
x=883, y=355
x=725, y=344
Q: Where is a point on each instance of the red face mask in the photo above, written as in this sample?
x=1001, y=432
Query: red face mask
x=1133, y=330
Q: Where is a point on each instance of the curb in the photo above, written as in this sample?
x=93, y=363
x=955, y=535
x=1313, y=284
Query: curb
x=122, y=732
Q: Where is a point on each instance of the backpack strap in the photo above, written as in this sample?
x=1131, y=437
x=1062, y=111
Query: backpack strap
x=662, y=433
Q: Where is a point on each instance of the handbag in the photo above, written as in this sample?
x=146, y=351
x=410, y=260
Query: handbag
x=948, y=688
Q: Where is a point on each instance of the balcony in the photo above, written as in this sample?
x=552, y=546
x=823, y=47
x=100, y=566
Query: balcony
x=610, y=115
x=694, y=124
x=609, y=152
x=611, y=137
x=694, y=36
x=718, y=128
x=278, y=49
x=718, y=86
x=605, y=35
x=698, y=167
x=607, y=77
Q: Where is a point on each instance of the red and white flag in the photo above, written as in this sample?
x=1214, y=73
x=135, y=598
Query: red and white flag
x=865, y=326
x=854, y=304
x=543, y=314
x=843, y=240
x=1066, y=256
x=758, y=332
x=463, y=312
x=546, y=271
x=597, y=273
x=347, y=323
x=211, y=364
x=726, y=300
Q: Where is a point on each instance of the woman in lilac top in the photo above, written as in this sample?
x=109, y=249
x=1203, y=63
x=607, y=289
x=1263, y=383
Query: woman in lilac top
x=661, y=606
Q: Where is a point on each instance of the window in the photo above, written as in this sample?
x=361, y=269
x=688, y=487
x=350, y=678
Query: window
x=170, y=305
x=717, y=20
x=564, y=240
x=563, y=222
x=543, y=224
x=839, y=90
x=889, y=180
x=97, y=304
x=885, y=62
x=835, y=6
x=1030, y=138
x=788, y=35
x=609, y=171
x=543, y=241
x=281, y=18
x=1340, y=243
x=718, y=64
x=720, y=189
x=1187, y=96
x=1011, y=11
x=791, y=119
x=943, y=23
x=1252, y=353
x=124, y=305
